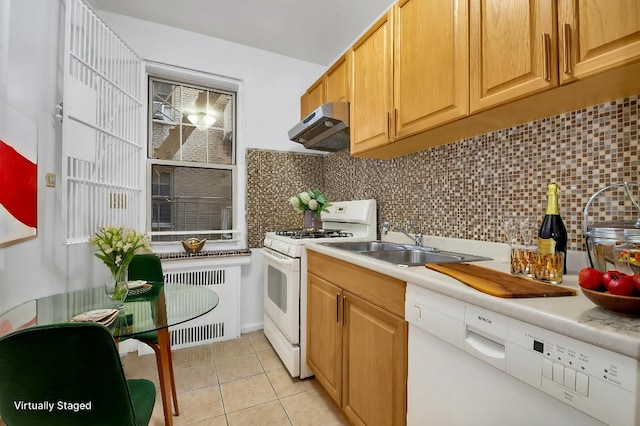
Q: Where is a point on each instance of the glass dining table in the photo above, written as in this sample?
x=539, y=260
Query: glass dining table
x=153, y=307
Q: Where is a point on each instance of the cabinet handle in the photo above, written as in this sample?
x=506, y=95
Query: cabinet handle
x=566, y=28
x=546, y=44
x=395, y=122
x=343, y=311
x=338, y=307
x=389, y=125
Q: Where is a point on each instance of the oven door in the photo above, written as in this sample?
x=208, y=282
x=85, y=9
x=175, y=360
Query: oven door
x=282, y=292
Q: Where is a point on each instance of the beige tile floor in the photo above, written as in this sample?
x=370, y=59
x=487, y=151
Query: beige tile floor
x=237, y=382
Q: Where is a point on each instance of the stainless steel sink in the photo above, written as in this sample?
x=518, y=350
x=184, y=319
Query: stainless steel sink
x=420, y=257
x=365, y=245
x=407, y=255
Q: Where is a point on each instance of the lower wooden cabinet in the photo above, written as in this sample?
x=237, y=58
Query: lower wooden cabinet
x=374, y=364
x=356, y=348
x=324, y=334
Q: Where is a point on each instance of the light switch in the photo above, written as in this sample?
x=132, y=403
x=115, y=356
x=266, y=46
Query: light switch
x=417, y=313
x=50, y=179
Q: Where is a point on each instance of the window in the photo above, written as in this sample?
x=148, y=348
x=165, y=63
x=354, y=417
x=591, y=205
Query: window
x=192, y=158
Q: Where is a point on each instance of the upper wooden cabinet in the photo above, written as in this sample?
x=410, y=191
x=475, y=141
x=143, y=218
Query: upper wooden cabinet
x=304, y=105
x=431, y=64
x=333, y=86
x=512, y=50
x=430, y=72
x=370, y=60
x=409, y=72
x=337, y=81
x=597, y=35
x=313, y=98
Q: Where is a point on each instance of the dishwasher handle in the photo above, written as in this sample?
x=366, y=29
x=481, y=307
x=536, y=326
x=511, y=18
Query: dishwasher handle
x=484, y=348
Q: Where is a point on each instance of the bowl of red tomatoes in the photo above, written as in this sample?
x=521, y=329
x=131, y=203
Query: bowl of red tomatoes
x=612, y=290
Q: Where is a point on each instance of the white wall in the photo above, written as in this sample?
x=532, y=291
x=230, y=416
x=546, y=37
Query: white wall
x=268, y=103
x=251, y=317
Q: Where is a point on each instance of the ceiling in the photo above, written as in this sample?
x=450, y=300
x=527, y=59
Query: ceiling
x=313, y=31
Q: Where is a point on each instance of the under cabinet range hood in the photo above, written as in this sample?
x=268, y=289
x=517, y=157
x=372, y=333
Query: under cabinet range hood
x=325, y=129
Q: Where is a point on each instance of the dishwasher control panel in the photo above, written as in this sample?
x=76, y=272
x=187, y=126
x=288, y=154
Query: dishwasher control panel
x=599, y=382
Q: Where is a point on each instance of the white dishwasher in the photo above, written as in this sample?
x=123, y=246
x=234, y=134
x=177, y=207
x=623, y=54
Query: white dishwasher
x=472, y=366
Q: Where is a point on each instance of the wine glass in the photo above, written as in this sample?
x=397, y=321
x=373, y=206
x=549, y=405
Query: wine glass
x=510, y=230
x=528, y=229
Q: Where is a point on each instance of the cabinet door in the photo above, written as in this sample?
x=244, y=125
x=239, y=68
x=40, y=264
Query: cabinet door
x=324, y=334
x=431, y=65
x=375, y=364
x=315, y=95
x=596, y=35
x=337, y=81
x=512, y=50
x=371, y=87
x=304, y=106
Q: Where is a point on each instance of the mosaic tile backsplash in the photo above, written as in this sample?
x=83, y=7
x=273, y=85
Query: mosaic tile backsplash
x=463, y=189
x=272, y=178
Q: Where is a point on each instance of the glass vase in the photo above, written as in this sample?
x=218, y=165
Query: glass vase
x=118, y=288
x=312, y=223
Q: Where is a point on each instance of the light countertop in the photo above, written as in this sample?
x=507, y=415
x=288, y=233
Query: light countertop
x=573, y=316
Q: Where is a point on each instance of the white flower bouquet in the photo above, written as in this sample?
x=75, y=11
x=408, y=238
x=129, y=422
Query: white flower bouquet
x=116, y=246
x=312, y=200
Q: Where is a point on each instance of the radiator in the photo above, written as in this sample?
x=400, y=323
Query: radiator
x=223, y=322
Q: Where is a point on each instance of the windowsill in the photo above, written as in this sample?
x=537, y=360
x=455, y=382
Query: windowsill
x=181, y=255
x=217, y=251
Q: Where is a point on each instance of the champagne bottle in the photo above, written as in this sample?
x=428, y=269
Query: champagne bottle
x=552, y=237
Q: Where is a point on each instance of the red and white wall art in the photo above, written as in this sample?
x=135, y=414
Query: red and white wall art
x=18, y=176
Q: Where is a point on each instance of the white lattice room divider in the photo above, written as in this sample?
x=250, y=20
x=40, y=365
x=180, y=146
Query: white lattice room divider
x=103, y=115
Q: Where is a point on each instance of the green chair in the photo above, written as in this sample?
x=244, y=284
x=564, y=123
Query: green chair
x=148, y=267
x=73, y=368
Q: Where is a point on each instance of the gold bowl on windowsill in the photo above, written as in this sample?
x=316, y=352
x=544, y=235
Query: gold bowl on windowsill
x=193, y=245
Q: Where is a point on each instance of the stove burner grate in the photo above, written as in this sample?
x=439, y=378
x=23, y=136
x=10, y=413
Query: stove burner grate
x=299, y=234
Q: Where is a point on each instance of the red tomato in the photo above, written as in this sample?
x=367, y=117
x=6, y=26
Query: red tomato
x=636, y=281
x=622, y=285
x=590, y=278
x=608, y=276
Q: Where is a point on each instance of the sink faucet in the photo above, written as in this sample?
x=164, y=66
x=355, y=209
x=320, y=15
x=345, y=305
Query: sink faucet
x=417, y=235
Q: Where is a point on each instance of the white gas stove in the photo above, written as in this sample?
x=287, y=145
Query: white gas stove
x=285, y=276
x=346, y=220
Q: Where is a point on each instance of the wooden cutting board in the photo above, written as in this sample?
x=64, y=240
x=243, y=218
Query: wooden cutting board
x=498, y=283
